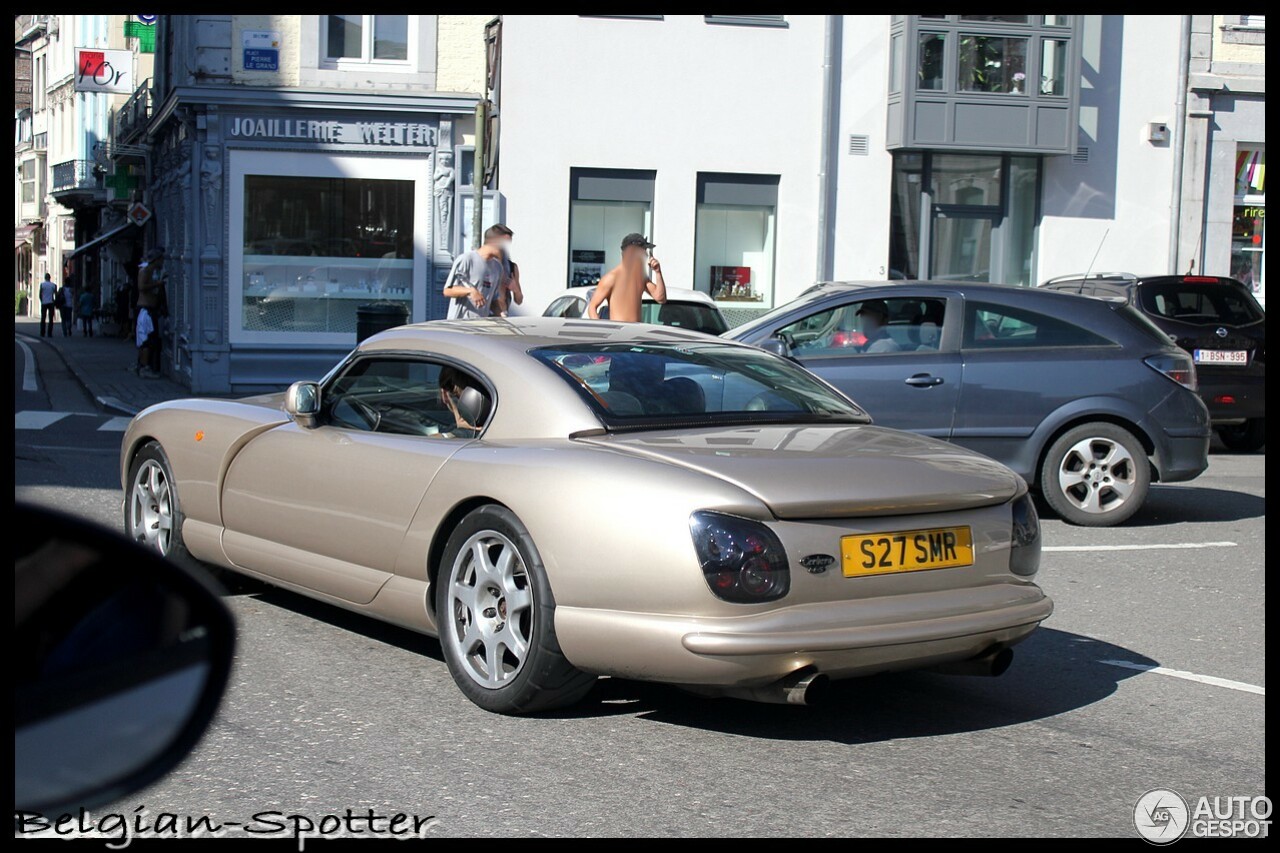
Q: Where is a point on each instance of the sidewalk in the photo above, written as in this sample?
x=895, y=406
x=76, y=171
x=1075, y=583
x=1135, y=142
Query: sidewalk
x=99, y=363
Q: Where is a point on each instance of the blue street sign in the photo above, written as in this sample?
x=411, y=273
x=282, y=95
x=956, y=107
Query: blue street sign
x=260, y=59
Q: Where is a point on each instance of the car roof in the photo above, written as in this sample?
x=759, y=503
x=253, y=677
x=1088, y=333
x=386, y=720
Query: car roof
x=525, y=333
x=674, y=294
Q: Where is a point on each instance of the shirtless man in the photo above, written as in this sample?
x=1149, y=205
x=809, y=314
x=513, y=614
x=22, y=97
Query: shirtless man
x=624, y=286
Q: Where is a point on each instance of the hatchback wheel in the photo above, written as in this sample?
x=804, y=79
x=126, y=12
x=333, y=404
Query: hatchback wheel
x=1095, y=475
x=496, y=618
x=1246, y=437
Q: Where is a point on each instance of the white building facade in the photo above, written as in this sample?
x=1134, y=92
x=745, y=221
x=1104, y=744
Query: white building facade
x=764, y=153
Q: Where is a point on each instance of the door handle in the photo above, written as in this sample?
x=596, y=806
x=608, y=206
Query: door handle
x=924, y=380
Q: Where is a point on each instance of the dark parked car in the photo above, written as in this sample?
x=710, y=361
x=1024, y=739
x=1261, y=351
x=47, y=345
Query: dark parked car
x=1084, y=398
x=1215, y=319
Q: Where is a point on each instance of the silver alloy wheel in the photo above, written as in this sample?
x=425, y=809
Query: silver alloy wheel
x=1097, y=475
x=151, y=507
x=490, y=609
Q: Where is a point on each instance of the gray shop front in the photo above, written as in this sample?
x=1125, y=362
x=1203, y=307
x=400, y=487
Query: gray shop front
x=284, y=214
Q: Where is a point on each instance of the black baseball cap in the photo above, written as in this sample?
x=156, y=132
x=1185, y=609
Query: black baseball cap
x=636, y=240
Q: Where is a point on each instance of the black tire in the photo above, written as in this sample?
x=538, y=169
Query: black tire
x=544, y=679
x=1096, y=501
x=174, y=548
x=1247, y=437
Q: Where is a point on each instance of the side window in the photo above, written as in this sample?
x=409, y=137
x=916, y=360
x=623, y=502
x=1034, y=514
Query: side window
x=400, y=396
x=566, y=306
x=1004, y=327
x=871, y=327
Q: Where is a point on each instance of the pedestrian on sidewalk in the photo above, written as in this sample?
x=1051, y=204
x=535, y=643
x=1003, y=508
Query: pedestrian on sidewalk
x=145, y=333
x=86, y=314
x=624, y=286
x=473, y=282
x=66, y=309
x=509, y=290
x=48, y=305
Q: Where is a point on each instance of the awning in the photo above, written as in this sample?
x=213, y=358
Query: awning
x=23, y=235
x=124, y=230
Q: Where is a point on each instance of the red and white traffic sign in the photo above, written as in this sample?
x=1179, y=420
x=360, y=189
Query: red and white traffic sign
x=139, y=213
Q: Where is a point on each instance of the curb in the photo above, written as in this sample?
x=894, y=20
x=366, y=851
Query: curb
x=110, y=404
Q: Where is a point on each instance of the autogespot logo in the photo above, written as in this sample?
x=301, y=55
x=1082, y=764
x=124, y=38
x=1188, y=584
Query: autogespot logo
x=1161, y=816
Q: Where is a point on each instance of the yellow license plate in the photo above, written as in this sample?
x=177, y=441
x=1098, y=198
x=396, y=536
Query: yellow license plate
x=906, y=551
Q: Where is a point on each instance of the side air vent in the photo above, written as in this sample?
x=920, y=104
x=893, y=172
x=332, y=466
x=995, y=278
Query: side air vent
x=859, y=143
x=1081, y=155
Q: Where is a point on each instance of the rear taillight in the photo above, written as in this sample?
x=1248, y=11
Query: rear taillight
x=1179, y=368
x=1024, y=554
x=742, y=560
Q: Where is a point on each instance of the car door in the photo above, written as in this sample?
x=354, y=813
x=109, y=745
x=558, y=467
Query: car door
x=1020, y=366
x=327, y=507
x=913, y=382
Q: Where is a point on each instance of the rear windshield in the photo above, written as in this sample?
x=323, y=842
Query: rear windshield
x=695, y=384
x=1200, y=303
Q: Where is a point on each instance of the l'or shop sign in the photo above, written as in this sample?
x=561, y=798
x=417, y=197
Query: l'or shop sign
x=104, y=71
x=394, y=134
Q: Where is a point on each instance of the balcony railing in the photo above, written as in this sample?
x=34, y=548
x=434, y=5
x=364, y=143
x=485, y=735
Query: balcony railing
x=131, y=118
x=76, y=175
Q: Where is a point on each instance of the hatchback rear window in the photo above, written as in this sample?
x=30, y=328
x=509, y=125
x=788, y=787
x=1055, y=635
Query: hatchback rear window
x=989, y=326
x=1200, y=303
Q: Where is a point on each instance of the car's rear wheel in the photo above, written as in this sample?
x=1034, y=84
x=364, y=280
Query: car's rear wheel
x=496, y=617
x=1095, y=475
x=152, y=514
x=1246, y=437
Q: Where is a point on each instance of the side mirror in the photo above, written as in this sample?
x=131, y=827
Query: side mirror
x=125, y=657
x=302, y=403
x=473, y=406
x=777, y=346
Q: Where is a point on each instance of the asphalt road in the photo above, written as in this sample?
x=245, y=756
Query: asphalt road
x=329, y=711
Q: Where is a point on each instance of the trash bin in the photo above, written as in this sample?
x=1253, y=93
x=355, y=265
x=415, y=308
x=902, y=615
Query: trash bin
x=375, y=317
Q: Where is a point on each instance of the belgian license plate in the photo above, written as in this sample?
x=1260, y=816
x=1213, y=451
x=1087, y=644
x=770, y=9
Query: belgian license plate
x=1221, y=356
x=906, y=551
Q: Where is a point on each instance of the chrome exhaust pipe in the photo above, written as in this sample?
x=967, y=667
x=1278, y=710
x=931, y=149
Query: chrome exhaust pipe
x=992, y=662
x=803, y=687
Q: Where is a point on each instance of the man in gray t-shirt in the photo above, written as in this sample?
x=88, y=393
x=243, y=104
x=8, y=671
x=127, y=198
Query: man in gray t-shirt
x=473, y=282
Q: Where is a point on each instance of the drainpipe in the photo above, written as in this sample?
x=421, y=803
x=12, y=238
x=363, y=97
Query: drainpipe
x=1180, y=142
x=823, y=267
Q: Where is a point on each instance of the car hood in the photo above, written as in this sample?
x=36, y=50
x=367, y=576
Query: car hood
x=831, y=471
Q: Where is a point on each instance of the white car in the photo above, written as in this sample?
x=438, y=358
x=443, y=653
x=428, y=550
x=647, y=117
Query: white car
x=687, y=309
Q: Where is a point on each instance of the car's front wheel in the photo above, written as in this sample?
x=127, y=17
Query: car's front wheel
x=1095, y=475
x=1246, y=437
x=152, y=514
x=496, y=618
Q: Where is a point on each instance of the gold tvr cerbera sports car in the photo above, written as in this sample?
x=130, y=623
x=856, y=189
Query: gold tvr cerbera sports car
x=562, y=499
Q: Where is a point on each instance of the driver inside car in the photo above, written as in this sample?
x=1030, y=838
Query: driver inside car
x=873, y=321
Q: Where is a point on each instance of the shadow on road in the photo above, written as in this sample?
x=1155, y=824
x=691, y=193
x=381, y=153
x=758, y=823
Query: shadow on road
x=1053, y=672
x=1180, y=504
x=347, y=620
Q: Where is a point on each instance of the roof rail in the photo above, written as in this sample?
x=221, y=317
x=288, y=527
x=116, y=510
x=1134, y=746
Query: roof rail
x=1093, y=276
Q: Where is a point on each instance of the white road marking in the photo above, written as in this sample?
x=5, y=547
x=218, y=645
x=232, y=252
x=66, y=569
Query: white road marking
x=1189, y=676
x=115, y=425
x=1156, y=547
x=37, y=420
x=28, y=368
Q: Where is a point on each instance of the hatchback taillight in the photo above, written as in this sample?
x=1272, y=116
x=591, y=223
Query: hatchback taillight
x=1179, y=368
x=741, y=559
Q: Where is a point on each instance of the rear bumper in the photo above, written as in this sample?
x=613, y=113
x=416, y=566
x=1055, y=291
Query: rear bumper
x=1183, y=458
x=1248, y=393
x=841, y=639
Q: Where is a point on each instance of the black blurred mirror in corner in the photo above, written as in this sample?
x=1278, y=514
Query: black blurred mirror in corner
x=121, y=661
